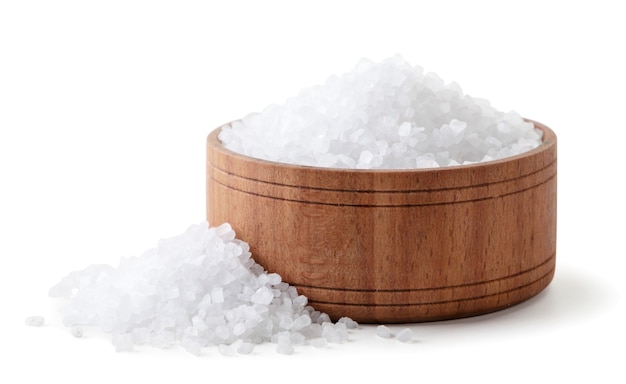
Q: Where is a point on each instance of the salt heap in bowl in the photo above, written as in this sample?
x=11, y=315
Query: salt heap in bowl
x=197, y=289
x=382, y=116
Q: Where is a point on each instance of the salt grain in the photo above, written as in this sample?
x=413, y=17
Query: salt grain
x=34, y=321
x=350, y=324
x=245, y=348
x=122, y=342
x=405, y=335
x=319, y=343
x=350, y=121
x=301, y=322
x=192, y=347
x=285, y=349
x=226, y=350
x=76, y=332
x=383, y=331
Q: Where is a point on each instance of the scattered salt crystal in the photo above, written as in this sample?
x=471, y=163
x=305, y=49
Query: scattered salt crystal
x=383, y=331
x=285, y=349
x=323, y=318
x=342, y=332
x=140, y=335
x=122, y=342
x=341, y=123
x=192, y=347
x=284, y=344
x=34, y=321
x=405, y=335
x=162, y=339
x=335, y=333
x=350, y=324
x=226, y=350
x=76, y=332
x=315, y=330
x=245, y=348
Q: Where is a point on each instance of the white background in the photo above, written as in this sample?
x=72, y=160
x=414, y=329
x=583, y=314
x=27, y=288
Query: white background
x=104, y=111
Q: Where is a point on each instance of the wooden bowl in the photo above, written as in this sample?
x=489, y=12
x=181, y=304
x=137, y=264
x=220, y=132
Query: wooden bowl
x=395, y=245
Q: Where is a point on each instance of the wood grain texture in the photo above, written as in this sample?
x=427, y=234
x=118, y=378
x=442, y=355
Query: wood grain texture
x=399, y=245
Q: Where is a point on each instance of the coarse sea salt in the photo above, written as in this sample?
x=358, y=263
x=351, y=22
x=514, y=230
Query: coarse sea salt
x=34, y=321
x=389, y=115
x=405, y=335
x=383, y=331
x=198, y=289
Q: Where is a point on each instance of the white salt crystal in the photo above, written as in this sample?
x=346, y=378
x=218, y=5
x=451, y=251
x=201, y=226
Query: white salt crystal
x=366, y=157
x=239, y=329
x=405, y=129
x=405, y=335
x=162, y=339
x=383, y=331
x=301, y=322
x=122, y=342
x=504, y=127
x=319, y=343
x=341, y=330
x=273, y=278
x=217, y=295
x=493, y=142
x=300, y=301
x=222, y=332
x=323, y=318
x=192, y=346
x=297, y=338
x=286, y=322
x=382, y=147
x=284, y=344
x=245, y=348
x=350, y=324
x=263, y=295
x=334, y=333
x=341, y=123
x=140, y=335
x=34, y=321
x=315, y=330
x=226, y=350
x=170, y=293
x=76, y=332
x=285, y=349
x=457, y=126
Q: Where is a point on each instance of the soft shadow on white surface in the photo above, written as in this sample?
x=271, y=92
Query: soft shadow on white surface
x=572, y=297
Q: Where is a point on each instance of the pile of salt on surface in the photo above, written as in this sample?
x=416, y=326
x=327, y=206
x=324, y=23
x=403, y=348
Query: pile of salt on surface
x=197, y=289
x=382, y=116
